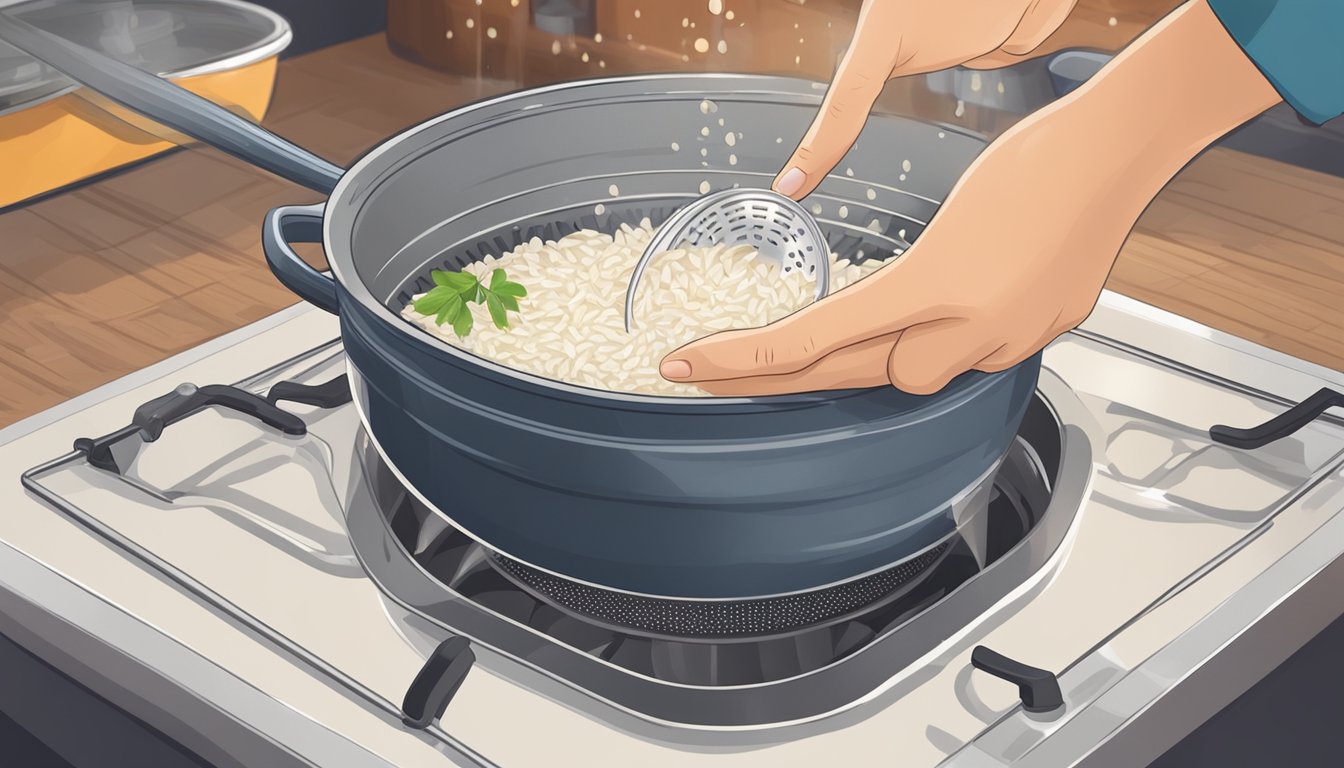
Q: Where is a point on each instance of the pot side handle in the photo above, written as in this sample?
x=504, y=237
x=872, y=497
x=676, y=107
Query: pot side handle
x=298, y=224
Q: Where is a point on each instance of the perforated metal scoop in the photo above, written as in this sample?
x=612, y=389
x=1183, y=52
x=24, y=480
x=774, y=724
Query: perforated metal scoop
x=779, y=228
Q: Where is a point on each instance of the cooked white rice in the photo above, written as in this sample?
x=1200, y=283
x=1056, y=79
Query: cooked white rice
x=571, y=327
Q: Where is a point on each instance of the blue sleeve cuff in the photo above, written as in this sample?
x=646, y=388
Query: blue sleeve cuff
x=1297, y=44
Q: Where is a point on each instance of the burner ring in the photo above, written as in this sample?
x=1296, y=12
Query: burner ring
x=720, y=619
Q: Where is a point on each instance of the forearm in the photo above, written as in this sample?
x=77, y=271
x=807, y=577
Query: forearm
x=1090, y=163
x=1163, y=100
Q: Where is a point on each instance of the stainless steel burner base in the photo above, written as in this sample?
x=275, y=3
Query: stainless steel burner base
x=424, y=565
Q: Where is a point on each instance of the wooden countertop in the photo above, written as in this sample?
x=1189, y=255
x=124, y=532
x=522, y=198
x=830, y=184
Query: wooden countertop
x=116, y=275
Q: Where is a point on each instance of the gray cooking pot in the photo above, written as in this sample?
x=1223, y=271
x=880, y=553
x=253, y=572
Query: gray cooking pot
x=678, y=497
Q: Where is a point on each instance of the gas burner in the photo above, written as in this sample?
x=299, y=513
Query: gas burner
x=720, y=663
x=723, y=619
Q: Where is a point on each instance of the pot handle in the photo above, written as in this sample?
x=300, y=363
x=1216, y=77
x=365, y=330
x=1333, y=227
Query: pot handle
x=298, y=224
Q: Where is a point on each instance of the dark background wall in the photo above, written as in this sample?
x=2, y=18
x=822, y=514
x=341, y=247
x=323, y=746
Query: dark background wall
x=319, y=23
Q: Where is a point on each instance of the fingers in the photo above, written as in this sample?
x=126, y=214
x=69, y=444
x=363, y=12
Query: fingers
x=857, y=83
x=1038, y=23
x=997, y=59
x=929, y=356
x=871, y=308
x=773, y=350
x=861, y=365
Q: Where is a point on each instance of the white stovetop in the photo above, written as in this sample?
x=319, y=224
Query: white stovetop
x=1131, y=544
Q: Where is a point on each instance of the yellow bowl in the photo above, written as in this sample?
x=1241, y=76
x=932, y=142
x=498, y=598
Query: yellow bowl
x=65, y=137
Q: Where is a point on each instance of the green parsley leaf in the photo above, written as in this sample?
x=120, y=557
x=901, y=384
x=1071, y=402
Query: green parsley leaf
x=497, y=312
x=451, y=309
x=432, y=302
x=452, y=293
x=458, y=281
x=511, y=289
x=463, y=322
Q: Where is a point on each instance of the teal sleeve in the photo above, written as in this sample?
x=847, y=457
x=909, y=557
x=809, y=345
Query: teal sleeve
x=1297, y=44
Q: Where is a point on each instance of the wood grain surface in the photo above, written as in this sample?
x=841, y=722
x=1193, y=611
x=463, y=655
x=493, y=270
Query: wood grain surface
x=103, y=280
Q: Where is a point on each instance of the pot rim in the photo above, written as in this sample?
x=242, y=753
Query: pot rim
x=351, y=185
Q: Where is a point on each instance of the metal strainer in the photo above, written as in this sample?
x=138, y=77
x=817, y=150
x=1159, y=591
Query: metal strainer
x=779, y=228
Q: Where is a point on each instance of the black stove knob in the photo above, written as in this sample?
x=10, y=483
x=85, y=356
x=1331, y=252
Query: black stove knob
x=434, y=687
x=1280, y=426
x=1038, y=688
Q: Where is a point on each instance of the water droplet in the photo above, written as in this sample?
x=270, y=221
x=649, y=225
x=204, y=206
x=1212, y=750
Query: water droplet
x=555, y=47
x=942, y=135
x=597, y=37
x=471, y=23
x=701, y=45
x=708, y=106
x=875, y=225
x=849, y=171
x=902, y=177
x=816, y=209
x=730, y=139
x=905, y=166
x=844, y=211
x=1000, y=86
x=599, y=209
x=797, y=60
x=514, y=3
x=720, y=121
x=491, y=33
x=676, y=147
x=685, y=22
x=584, y=57
x=704, y=131
x=1112, y=21
x=704, y=151
x=704, y=187
x=901, y=234
x=961, y=108
x=716, y=7
x=872, y=193
x=732, y=159
x=448, y=35
x=602, y=63
x=977, y=82
x=722, y=47
x=729, y=15
x=613, y=190
x=636, y=13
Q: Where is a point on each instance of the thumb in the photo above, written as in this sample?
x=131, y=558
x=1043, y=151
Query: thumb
x=858, y=82
x=927, y=357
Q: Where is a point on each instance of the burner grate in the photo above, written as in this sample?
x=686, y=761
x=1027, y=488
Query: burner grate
x=711, y=677
x=719, y=619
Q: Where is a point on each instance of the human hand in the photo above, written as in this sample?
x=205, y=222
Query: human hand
x=909, y=37
x=996, y=275
x=1021, y=248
